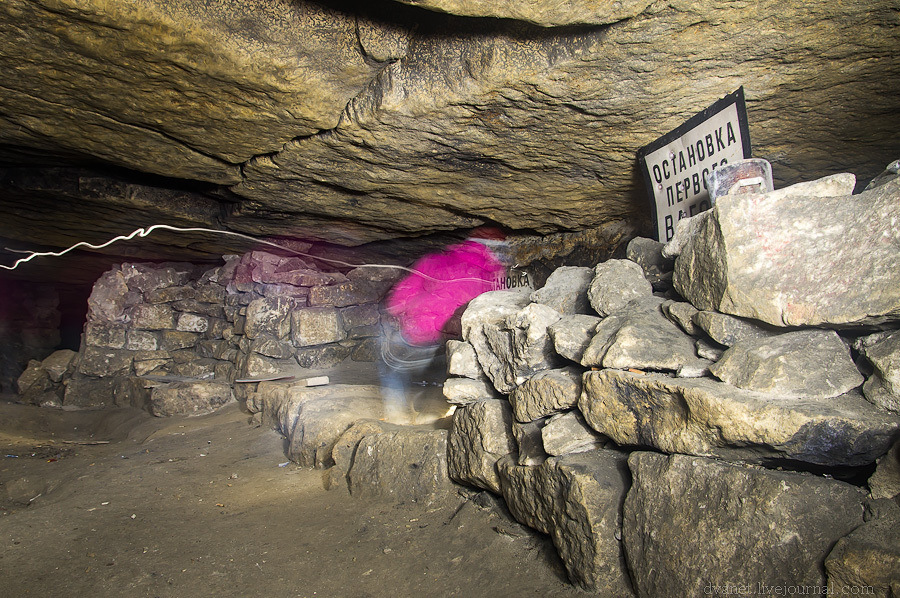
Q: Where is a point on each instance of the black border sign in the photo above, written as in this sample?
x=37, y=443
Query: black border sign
x=675, y=165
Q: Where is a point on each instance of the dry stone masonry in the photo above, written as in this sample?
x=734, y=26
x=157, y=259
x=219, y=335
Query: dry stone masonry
x=174, y=338
x=720, y=424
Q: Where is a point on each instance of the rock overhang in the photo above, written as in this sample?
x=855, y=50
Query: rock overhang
x=352, y=125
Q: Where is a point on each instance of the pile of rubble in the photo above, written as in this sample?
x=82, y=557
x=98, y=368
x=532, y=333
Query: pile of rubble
x=671, y=446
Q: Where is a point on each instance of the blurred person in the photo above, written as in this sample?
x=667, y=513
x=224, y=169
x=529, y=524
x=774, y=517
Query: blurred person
x=424, y=312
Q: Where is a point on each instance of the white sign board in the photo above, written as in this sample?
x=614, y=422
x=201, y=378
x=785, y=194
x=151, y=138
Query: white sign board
x=675, y=166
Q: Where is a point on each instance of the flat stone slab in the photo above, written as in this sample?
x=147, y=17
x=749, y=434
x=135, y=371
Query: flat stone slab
x=700, y=416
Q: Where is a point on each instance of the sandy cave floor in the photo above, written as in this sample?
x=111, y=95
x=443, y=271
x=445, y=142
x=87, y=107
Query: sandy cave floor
x=202, y=506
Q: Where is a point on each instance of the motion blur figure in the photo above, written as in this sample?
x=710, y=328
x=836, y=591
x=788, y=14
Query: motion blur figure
x=425, y=308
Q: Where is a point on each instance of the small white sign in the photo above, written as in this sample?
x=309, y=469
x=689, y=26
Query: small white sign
x=675, y=166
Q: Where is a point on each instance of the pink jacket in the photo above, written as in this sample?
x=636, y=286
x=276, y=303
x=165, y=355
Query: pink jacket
x=424, y=305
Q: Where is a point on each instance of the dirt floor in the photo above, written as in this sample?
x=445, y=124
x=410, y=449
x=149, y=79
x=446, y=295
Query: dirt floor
x=118, y=503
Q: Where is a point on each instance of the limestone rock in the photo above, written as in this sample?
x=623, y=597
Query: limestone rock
x=572, y=334
x=546, y=393
x=805, y=363
x=146, y=278
x=728, y=330
x=462, y=360
x=709, y=349
x=316, y=326
x=757, y=526
x=110, y=298
x=189, y=398
x=272, y=347
x=97, y=361
x=313, y=418
x=323, y=356
x=480, y=436
x=709, y=418
x=141, y=340
x=682, y=313
x=58, y=363
x=486, y=326
x=324, y=416
x=615, y=284
x=263, y=92
x=269, y=315
x=465, y=391
x=173, y=340
x=344, y=451
x=529, y=444
x=567, y=433
x=546, y=14
x=357, y=316
x=885, y=482
x=577, y=500
x=639, y=336
x=522, y=345
x=192, y=323
x=408, y=465
x=868, y=559
x=685, y=230
x=760, y=256
x=149, y=316
x=647, y=253
x=566, y=290
x=35, y=386
x=883, y=387
x=101, y=334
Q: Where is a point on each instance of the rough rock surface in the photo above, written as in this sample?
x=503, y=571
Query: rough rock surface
x=727, y=330
x=885, y=482
x=693, y=524
x=577, y=500
x=615, y=284
x=805, y=363
x=546, y=393
x=566, y=290
x=761, y=256
x=638, y=335
x=483, y=316
x=868, y=559
x=341, y=126
x=480, y=436
x=567, y=433
x=703, y=417
x=572, y=334
x=407, y=465
x=462, y=360
x=883, y=387
x=189, y=398
x=465, y=391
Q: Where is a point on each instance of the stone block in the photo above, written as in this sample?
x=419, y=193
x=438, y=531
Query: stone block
x=481, y=434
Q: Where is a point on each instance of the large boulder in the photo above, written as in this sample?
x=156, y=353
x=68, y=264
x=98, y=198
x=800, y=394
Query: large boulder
x=484, y=316
x=481, y=435
x=546, y=393
x=577, y=500
x=704, y=417
x=566, y=290
x=791, y=259
x=805, y=363
x=867, y=561
x=407, y=465
x=695, y=527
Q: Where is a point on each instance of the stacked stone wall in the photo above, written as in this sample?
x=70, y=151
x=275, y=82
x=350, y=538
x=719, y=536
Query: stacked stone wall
x=158, y=331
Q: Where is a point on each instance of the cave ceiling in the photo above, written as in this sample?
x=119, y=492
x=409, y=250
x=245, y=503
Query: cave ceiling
x=365, y=123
